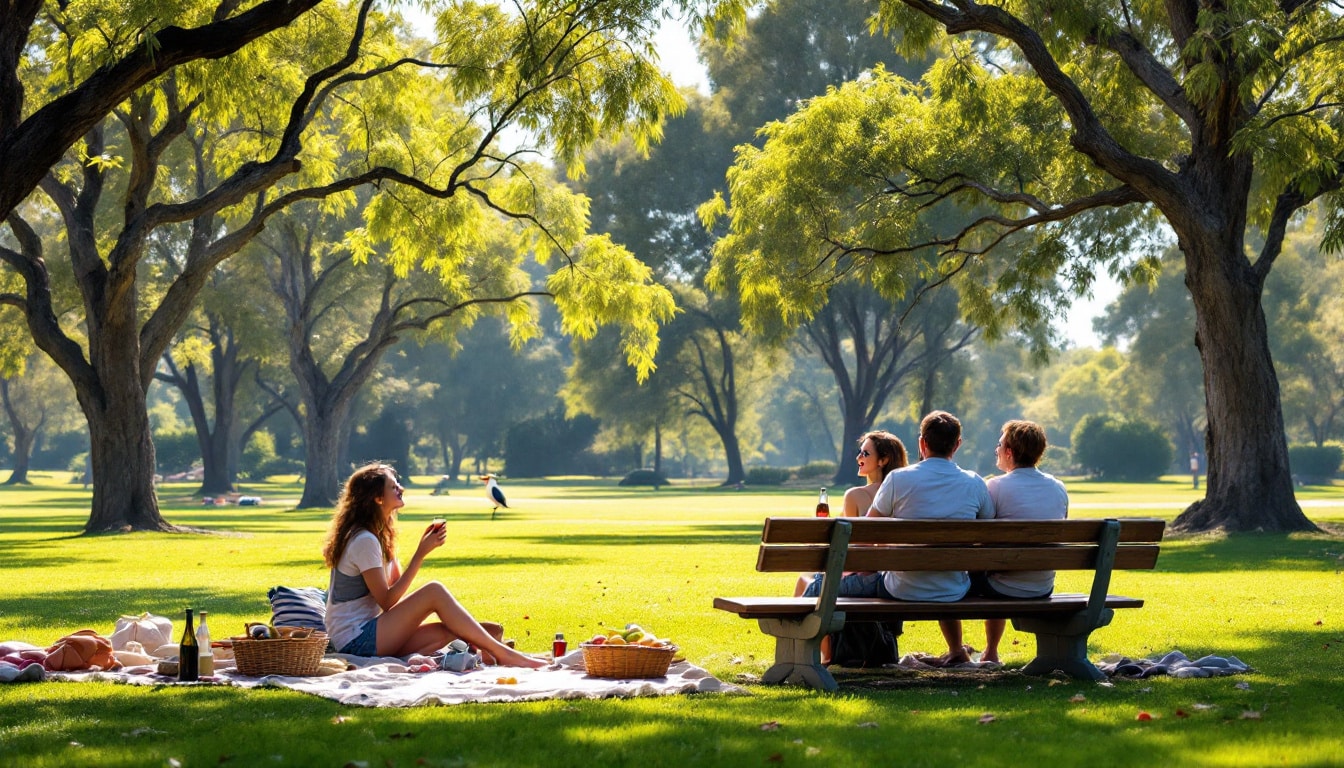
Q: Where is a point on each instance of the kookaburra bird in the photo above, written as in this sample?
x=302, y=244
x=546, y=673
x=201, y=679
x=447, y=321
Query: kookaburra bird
x=494, y=494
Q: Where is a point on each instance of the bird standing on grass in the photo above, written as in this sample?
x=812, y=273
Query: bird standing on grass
x=494, y=494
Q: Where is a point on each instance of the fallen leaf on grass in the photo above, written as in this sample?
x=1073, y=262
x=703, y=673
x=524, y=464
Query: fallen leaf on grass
x=813, y=751
x=1182, y=713
x=869, y=724
x=986, y=718
x=174, y=762
x=775, y=758
x=1201, y=707
x=1320, y=623
x=1243, y=686
x=1054, y=682
x=406, y=735
x=224, y=759
x=1250, y=714
x=337, y=720
x=773, y=725
x=1077, y=698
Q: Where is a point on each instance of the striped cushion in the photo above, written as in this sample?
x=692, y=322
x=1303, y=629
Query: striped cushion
x=298, y=607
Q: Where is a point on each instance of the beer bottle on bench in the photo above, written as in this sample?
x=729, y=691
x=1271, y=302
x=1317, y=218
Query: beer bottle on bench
x=188, y=654
x=823, y=506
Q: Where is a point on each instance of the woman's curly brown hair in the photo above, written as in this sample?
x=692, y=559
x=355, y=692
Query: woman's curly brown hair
x=358, y=508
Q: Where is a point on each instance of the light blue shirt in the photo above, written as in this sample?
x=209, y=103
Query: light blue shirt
x=1027, y=493
x=933, y=489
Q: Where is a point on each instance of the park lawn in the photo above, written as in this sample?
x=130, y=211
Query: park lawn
x=574, y=555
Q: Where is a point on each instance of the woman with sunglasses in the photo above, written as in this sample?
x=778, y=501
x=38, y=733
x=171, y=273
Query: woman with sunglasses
x=879, y=453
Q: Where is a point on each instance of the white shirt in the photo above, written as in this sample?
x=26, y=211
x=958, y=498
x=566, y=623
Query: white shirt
x=1027, y=493
x=933, y=489
x=345, y=619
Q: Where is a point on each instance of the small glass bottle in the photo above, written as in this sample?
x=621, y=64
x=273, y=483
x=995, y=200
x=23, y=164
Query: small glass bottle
x=207, y=654
x=559, y=647
x=823, y=506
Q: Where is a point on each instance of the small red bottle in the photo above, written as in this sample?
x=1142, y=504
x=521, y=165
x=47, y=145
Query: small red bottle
x=823, y=506
x=559, y=647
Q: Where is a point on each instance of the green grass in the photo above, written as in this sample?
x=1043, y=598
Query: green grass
x=577, y=554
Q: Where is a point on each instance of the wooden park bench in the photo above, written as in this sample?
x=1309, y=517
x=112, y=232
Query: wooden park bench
x=1061, y=622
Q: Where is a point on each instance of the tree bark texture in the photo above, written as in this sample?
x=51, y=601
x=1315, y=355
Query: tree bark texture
x=1249, y=483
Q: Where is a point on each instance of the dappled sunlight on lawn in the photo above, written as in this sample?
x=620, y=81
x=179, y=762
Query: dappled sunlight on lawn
x=579, y=558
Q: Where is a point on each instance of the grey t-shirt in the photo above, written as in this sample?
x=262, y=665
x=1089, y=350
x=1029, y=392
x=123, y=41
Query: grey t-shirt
x=933, y=489
x=1027, y=493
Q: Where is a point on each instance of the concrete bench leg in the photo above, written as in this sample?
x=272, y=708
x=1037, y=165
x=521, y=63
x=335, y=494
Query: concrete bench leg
x=798, y=661
x=1065, y=653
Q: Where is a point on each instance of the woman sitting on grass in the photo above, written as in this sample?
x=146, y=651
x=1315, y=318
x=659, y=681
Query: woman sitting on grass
x=369, y=612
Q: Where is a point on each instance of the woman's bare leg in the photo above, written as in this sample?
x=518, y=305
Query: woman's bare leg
x=400, y=627
x=993, y=634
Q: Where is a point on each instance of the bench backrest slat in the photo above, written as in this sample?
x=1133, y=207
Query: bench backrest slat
x=869, y=530
x=809, y=558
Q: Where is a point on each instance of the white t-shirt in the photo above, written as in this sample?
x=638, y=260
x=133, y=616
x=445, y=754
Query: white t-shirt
x=933, y=489
x=1027, y=493
x=345, y=619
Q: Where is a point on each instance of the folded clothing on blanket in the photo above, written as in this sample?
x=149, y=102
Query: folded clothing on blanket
x=1175, y=664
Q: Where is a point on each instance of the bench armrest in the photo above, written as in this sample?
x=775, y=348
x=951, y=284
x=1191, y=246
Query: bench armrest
x=835, y=569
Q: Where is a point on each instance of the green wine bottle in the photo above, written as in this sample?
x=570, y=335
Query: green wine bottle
x=188, y=654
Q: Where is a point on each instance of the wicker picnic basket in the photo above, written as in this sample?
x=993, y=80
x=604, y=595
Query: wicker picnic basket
x=286, y=655
x=627, y=661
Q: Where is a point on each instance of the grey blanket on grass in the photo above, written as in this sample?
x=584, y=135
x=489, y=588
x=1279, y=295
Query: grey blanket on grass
x=1175, y=664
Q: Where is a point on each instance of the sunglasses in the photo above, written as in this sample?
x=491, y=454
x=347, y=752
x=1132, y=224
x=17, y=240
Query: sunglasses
x=865, y=454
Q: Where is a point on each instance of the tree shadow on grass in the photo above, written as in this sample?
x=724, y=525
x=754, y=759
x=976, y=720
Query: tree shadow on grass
x=944, y=722
x=699, y=534
x=99, y=608
x=1251, y=552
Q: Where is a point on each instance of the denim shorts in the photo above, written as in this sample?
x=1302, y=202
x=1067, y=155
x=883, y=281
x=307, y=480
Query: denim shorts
x=366, y=642
x=853, y=585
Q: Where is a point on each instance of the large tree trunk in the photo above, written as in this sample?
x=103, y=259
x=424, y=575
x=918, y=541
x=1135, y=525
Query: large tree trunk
x=323, y=433
x=1249, y=484
x=856, y=423
x=733, y=454
x=121, y=448
x=24, y=439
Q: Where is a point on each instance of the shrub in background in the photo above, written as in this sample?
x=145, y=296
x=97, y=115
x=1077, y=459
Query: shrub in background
x=1315, y=464
x=644, y=477
x=1057, y=460
x=176, y=452
x=767, y=476
x=817, y=469
x=1114, y=448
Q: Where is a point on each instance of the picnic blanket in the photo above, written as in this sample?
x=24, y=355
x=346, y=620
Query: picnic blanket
x=389, y=682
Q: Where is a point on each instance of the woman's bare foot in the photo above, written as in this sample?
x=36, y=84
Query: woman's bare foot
x=515, y=659
x=952, y=658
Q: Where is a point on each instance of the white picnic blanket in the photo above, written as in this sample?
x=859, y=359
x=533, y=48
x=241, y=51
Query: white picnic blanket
x=389, y=682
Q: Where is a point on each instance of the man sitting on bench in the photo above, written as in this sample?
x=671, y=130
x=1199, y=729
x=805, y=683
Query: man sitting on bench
x=933, y=489
x=1024, y=493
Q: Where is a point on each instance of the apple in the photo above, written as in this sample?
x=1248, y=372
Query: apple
x=598, y=639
